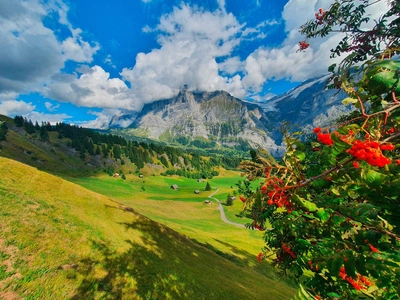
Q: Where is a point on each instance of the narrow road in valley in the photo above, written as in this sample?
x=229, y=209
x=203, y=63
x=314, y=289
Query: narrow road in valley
x=221, y=209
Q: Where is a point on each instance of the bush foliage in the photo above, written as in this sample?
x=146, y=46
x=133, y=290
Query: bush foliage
x=333, y=201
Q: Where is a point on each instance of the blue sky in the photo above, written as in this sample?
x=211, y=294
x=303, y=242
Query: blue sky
x=84, y=61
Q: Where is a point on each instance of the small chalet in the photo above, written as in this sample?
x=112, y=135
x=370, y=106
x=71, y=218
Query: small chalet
x=233, y=198
x=197, y=192
x=207, y=202
x=199, y=180
x=175, y=187
x=140, y=176
x=116, y=175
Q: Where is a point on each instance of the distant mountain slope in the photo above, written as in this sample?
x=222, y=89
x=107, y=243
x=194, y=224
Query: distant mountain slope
x=61, y=241
x=208, y=119
x=308, y=105
x=70, y=150
x=55, y=154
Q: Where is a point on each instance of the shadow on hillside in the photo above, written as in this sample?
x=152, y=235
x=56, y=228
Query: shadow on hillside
x=164, y=265
x=243, y=258
x=145, y=270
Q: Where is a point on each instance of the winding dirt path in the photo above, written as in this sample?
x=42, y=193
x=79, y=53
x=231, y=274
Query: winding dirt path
x=221, y=209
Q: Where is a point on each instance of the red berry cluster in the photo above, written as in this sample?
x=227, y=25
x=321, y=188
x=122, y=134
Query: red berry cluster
x=257, y=226
x=310, y=263
x=260, y=256
x=303, y=45
x=243, y=199
x=390, y=130
x=373, y=249
x=324, y=138
x=319, y=15
x=347, y=138
x=361, y=282
x=371, y=152
x=289, y=251
x=277, y=195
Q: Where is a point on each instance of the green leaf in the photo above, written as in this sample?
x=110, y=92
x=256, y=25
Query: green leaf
x=323, y=215
x=349, y=264
x=374, y=178
x=335, y=191
x=334, y=295
x=303, y=242
x=353, y=194
x=393, y=189
x=336, y=265
x=310, y=206
x=349, y=100
x=383, y=81
x=300, y=155
x=338, y=219
x=315, y=145
x=359, y=263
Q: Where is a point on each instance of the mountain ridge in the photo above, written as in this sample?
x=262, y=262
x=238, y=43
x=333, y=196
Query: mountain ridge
x=211, y=118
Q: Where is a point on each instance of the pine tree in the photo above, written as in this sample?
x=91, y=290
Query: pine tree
x=44, y=135
x=3, y=131
x=19, y=121
x=82, y=152
x=229, y=200
x=208, y=187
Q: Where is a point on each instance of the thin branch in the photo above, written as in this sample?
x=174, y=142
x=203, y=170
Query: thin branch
x=338, y=167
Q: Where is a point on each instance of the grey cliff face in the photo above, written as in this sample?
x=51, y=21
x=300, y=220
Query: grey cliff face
x=215, y=116
x=307, y=106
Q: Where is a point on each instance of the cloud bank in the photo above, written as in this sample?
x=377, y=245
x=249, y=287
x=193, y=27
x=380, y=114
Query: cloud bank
x=196, y=48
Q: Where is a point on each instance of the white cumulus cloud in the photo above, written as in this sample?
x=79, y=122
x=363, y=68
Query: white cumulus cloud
x=13, y=108
x=30, y=52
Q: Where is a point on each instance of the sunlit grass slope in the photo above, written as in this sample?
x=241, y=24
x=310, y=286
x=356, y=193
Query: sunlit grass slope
x=61, y=241
x=185, y=211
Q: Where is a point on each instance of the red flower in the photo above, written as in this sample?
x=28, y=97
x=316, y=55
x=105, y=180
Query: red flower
x=243, y=199
x=356, y=164
x=317, y=129
x=397, y=161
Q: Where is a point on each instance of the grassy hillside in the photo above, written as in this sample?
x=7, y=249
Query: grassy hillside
x=185, y=211
x=60, y=241
x=53, y=156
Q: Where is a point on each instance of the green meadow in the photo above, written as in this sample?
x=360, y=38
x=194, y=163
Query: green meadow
x=62, y=241
x=185, y=211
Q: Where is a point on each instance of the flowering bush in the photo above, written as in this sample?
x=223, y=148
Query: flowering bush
x=333, y=201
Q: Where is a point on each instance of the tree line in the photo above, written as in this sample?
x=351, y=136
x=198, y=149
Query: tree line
x=90, y=142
